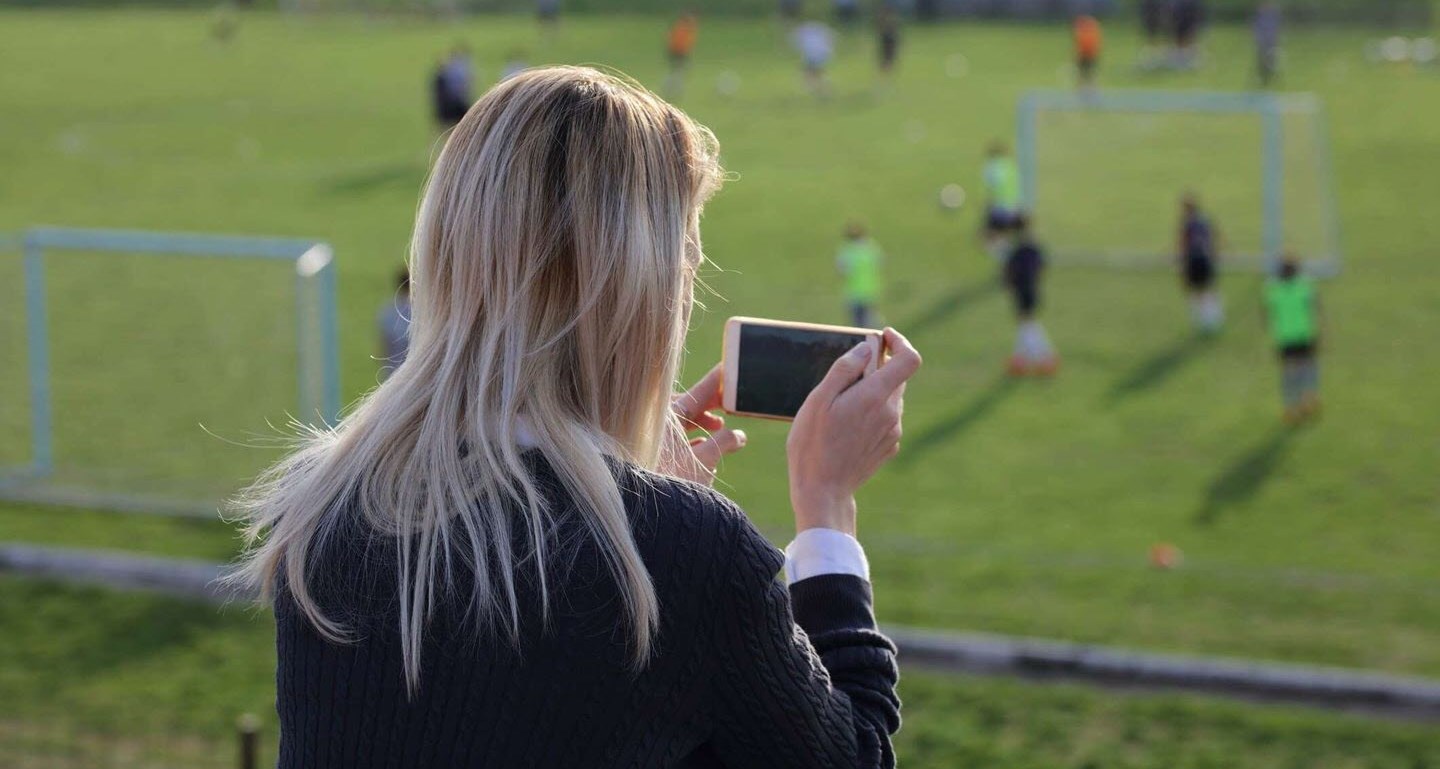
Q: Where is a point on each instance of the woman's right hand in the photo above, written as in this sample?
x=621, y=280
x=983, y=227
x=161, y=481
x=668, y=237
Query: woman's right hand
x=844, y=433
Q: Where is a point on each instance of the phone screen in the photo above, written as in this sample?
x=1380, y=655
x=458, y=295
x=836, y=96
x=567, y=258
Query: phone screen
x=779, y=366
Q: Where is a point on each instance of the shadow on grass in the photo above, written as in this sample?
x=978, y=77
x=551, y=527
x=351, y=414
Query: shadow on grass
x=949, y=427
x=948, y=304
x=405, y=174
x=1246, y=475
x=1158, y=367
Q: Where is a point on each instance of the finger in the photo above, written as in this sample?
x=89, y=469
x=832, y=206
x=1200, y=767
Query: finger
x=705, y=395
x=710, y=450
x=844, y=371
x=705, y=421
x=902, y=364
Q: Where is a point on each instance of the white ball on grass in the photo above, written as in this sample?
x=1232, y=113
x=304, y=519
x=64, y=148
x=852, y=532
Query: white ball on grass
x=952, y=197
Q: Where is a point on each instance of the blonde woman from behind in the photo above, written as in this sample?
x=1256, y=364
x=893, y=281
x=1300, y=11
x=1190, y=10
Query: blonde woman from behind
x=508, y=554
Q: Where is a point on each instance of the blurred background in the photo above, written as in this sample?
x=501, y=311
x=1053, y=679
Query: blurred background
x=204, y=210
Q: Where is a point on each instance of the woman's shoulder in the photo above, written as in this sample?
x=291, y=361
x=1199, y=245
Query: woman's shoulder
x=674, y=510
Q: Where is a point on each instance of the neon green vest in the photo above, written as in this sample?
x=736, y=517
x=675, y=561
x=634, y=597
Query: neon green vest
x=860, y=263
x=1291, y=307
x=1002, y=179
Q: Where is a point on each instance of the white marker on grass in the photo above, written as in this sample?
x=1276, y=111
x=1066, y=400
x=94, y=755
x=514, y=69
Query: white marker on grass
x=952, y=197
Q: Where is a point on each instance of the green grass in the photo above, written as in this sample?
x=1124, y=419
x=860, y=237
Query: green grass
x=96, y=678
x=1019, y=508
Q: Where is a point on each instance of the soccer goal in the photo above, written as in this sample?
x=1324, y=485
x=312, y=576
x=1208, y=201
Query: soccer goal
x=1103, y=174
x=159, y=372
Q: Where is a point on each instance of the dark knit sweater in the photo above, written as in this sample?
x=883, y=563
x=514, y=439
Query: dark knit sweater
x=746, y=673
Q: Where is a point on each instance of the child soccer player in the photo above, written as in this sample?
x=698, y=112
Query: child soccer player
x=393, y=321
x=1088, y=41
x=1187, y=17
x=678, y=46
x=1002, y=189
x=1152, y=24
x=1267, y=41
x=548, y=12
x=1198, y=260
x=859, y=263
x=1292, y=311
x=1033, y=352
x=816, y=44
x=887, y=28
x=451, y=85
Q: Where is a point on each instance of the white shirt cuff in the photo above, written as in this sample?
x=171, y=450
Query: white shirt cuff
x=814, y=552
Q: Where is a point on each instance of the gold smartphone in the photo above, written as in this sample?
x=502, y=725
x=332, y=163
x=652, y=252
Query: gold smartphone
x=770, y=366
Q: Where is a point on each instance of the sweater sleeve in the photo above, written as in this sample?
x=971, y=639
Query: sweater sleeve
x=804, y=678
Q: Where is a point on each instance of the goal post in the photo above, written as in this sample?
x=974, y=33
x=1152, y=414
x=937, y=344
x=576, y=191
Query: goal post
x=173, y=354
x=1102, y=172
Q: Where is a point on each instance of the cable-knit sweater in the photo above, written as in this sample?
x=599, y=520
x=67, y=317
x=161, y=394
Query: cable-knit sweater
x=746, y=673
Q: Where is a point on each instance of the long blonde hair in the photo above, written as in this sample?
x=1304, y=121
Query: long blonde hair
x=552, y=270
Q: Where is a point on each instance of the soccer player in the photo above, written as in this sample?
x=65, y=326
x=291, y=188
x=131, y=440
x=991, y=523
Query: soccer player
x=1033, y=355
x=816, y=43
x=548, y=12
x=1292, y=311
x=393, y=321
x=679, y=44
x=859, y=262
x=1198, y=261
x=451, y=86
x=1187, y=17
x=1153, y=15
x=887, y=28
x=1268, y=19
x=1088, y=42
x=1002, y=189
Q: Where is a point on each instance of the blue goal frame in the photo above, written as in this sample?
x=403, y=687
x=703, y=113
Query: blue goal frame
x=318, y=343
x=1270, y=108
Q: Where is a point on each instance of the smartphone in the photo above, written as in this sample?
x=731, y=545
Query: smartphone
x=770, y=366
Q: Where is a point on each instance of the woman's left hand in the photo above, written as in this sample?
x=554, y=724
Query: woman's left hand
x=696, y=459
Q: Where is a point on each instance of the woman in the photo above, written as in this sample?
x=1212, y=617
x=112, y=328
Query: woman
x=507, y=554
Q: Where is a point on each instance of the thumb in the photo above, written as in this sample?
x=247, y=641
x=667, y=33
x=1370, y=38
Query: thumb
x=844, y=371
x=711, y=449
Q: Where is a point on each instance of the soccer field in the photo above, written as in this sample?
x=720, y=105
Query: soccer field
x=1017, y=507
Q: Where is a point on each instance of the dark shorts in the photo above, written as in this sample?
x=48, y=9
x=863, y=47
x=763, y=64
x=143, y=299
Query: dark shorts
x=678, y=59
x=1153, y=23
x=1297, y=352
x=889, y=49
x=450, y=112
x=1026, y=296
x=1199, y=272
x=1086, y=65
x=1267, y=59
x=998, y=220
x=1186, y=32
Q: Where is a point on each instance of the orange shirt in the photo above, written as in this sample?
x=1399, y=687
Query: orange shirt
x=1088, y=39
x=683, y=34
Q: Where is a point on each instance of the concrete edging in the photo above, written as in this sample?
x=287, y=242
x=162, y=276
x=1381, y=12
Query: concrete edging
x=1335, y=688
